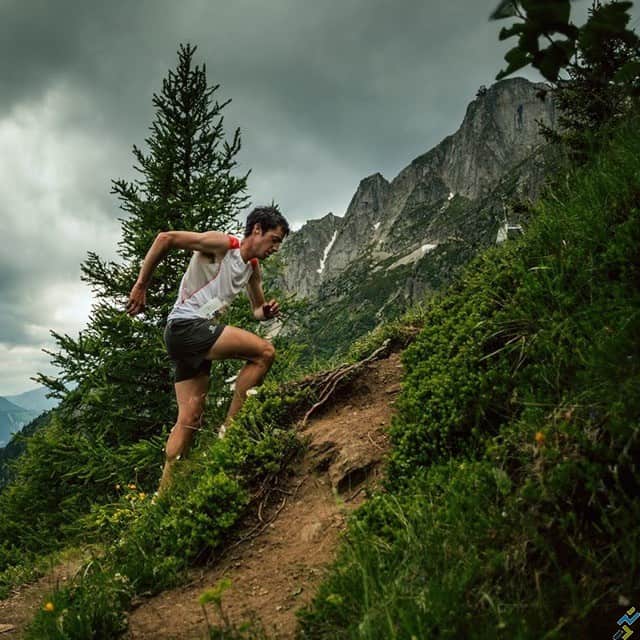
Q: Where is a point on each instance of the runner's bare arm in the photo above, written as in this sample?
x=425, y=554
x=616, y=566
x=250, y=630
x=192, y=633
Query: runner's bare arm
x=261, y=310
x=207, y=242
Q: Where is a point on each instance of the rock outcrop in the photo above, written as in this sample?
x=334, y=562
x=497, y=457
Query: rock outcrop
x=306, y=254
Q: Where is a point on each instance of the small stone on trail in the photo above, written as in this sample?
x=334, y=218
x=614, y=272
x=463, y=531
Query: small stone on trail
x=6, y=627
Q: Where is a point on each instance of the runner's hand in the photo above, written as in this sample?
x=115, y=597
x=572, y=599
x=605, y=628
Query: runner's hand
x=137, y=299
x=270, y=310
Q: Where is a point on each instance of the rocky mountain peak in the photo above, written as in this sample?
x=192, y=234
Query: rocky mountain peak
x=306, y=251
x=498, y=131
x=426, y=203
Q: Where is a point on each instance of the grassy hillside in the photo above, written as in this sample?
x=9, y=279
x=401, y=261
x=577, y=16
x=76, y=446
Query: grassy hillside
x=512, y=507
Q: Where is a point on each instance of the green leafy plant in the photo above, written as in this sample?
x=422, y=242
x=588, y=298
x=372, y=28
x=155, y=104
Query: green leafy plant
x=594, y=69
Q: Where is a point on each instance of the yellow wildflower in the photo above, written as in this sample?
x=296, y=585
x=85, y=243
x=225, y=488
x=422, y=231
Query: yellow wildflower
x=49, y=606
x=539, y=437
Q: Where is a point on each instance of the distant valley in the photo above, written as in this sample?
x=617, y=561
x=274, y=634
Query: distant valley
x=19, y=410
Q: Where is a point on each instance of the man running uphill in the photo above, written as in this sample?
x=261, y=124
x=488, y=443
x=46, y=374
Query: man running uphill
x=220, y=267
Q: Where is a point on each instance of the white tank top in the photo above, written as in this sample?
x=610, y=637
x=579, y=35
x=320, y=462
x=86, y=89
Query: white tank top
x=208, y=287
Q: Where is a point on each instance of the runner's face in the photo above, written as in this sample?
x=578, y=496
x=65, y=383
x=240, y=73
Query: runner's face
x=269, y=242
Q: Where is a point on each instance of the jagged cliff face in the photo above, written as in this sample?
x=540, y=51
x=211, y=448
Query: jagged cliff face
x=366, y=211
x=306, y=255
x=409, y=235
x=387, y=218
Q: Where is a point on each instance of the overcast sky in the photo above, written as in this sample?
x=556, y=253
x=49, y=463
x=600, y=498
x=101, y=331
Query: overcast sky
x=325, y=93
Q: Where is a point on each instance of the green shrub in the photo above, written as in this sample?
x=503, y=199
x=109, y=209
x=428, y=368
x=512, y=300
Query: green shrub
x=152, y=540
x=92, y=608
x=410, y=560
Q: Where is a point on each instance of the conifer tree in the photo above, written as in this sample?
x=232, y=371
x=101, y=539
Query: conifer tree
x=124, y=390
x=601, y=60
x=603, y=79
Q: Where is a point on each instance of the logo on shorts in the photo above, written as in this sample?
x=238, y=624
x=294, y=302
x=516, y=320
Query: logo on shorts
x=212, y=328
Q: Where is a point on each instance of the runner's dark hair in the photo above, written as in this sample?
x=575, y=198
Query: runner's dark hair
x=268, y=217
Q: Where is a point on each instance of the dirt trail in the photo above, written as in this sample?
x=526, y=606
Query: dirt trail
x=20, y=607
x=276, y=573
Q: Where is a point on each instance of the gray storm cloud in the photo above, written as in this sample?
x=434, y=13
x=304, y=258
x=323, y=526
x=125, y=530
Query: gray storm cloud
x=325, y=93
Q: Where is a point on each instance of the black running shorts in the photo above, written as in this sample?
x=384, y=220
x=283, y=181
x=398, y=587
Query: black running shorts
x=188, y=341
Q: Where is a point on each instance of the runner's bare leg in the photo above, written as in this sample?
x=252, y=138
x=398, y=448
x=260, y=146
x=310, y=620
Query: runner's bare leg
x=191, y=395
x=240, y=344
x=233, y=343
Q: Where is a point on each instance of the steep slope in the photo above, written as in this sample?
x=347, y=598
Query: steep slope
x=280, y=552
x=276, y=572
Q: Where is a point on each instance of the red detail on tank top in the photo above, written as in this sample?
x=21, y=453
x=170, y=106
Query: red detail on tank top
x=234, y=243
